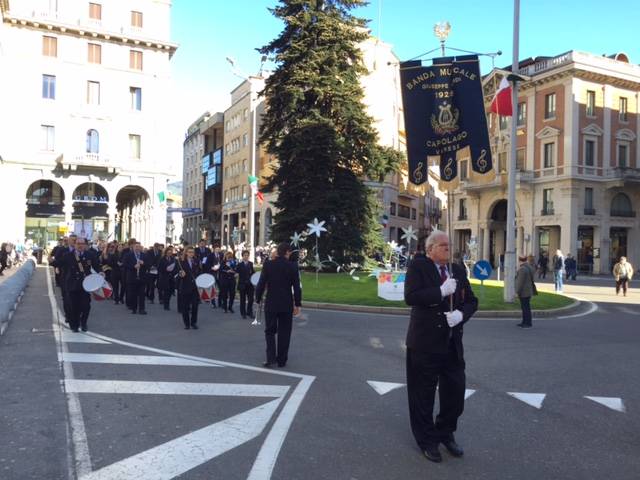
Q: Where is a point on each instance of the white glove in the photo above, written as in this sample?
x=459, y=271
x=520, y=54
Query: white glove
x=454, y=318
x=448, y=287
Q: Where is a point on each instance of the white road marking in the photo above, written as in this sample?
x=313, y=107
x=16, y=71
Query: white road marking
x=613, y=403
x=629, y=311
x=178, y=456
x=468, y=393
x=132, y=359
x=592, y=309
x=175, y=388
x=72, y=337
x=384, y=387
x=533, y=399
x=375, y=342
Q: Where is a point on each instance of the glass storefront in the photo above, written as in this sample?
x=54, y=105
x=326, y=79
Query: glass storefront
x=44, y=232
x=585, y=251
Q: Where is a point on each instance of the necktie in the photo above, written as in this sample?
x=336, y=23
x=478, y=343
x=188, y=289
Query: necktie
x=443, y=273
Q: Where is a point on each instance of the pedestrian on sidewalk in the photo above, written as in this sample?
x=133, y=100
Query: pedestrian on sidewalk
x=281, y=279
x=558, y=270
x=441, y=301
x=526, y=288
x=571, y=267
x=623, y=273
x=543, y=265
x=189, y=267
x=3, y=258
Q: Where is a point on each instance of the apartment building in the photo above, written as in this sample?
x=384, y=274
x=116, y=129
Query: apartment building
x=578, y=164
x=82, y=138
x=193, y=228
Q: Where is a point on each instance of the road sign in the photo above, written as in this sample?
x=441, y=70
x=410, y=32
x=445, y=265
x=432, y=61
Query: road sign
x=482, y=270
x=188, y=211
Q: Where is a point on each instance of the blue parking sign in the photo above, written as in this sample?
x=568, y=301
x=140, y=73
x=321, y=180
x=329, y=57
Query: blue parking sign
x=482, y=270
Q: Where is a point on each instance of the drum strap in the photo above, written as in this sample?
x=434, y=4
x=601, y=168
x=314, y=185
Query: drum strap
x=80, y=264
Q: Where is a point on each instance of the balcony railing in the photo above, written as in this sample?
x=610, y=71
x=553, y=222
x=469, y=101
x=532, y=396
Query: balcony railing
x=625, y=173
x=462, y=217
x=87, y=160
x=589, y=211
x=547, y=211
x=623, y=213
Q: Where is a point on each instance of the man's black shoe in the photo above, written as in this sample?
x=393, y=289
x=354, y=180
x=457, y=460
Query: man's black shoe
x=524, y=325
x=268, y=364
x=195, y=327
x=84, y=329
x=281, y=365
x=74, y=330
x=433, y=454
x=453, y=448
x=187, y=327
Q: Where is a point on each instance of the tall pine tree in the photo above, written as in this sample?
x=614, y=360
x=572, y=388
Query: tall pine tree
x=317, y=127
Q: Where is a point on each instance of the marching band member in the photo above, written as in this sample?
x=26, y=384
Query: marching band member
x=188, y=298
x=166, y=272
x=136, y=279
x=245, y=270
x=228, y=281
x=77, y=264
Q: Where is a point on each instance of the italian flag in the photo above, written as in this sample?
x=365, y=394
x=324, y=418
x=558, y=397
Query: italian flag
x=501, y=103
x=253, y=184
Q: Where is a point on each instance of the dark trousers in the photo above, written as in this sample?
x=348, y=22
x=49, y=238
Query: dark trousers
x=425, y=372
x=189, y=302
x=165, y=296
x=80, y=308
x=246, y=299
x=135, y=295
x=116, y=285
x=227, y=291
x=525, y=306
x=151, y=286
x=278, y=323
x=622, y=283
x=66, y=302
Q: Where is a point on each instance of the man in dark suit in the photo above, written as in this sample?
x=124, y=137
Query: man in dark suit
x=60, y=265
x=202, y=251
x=245, y=270
x=188, y=297
x=136, y=269
x=77, y=264
x=441, y=302
x=282, y=280
x=151, y=259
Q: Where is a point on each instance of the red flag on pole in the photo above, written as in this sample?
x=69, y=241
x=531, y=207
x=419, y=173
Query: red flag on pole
x=501, y=103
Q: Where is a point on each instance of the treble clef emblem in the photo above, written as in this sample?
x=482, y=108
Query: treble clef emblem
x=448, y=169
x=482, y=161
x=417, y=174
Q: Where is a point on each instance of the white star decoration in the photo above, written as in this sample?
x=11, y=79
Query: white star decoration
x=296, y=238
x=316, y=228
x=409, y=234
x=393, y=245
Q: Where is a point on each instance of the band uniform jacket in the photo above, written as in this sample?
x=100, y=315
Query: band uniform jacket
x=151, y=258
x=211, y=261
x=282, y=280
x=77, y=268
x=244, y=273
x=202, y=253
x=428, y=328
x=187, y=284
x=129, y=263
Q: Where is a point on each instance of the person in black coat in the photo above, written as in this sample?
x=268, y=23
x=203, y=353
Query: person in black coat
x=136, y=269
x=77, y=264
x=167, y=269
x=151, y=260
x=188, y=298
x=202, y=251
x=441, y=301
x=281, y=279
x=227, y=281
x=60, y=265
x=211, y=264
x=245, y=270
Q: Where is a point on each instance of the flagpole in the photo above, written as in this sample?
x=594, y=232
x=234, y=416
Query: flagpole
x=510, y=253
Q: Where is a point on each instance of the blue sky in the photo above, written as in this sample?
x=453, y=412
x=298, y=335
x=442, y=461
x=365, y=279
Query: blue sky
x=210, y=30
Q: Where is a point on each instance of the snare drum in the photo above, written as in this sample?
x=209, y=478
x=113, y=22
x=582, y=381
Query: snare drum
x=97, y=286
x=206, y=284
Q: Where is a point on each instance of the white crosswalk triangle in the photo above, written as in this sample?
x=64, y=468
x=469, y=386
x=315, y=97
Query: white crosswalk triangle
x=533, y=399
x=614, y=403
x=384, y=387
x=468, y=392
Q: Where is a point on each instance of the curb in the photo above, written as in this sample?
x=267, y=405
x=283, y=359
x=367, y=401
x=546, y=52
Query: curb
x=11, y=292
x=406, y=310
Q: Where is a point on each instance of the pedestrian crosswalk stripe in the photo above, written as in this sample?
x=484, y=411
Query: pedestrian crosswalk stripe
x=73, y=337
x=468, y=393
x=384, y=387
x=533, y=399
x=132, y=359
x=613, y=403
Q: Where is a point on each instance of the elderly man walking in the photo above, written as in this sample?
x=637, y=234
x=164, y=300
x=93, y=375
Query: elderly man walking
x=441, y=301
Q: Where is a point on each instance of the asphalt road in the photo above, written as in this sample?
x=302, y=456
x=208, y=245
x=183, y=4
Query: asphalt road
x=146, y=399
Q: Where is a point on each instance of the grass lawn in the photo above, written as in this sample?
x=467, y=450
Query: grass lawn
x=341, y=288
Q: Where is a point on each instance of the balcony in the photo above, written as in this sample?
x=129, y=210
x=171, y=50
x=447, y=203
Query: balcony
x=623, y=213
x=93, y=161
x=462, y=218
x=547, y=211
x=589, y=211
x=624, y=173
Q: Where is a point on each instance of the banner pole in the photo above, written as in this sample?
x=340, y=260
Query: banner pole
x=450, y=229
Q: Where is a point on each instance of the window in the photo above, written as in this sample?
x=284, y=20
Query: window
x=520, y=159
x=49, y=86
x=622, y=109
x=244, y=192
x=591, y=103
x=95, y=53
x=503, y=122
x=621, y=206
x=93, y=93
x=548, y=155
x=95, y=11
x=462, y=209
x=413, y=214
x=136, y=98
x=245, y=139
x=48, y=138
x=589, y=153
x=463, y=169
x=244, y=165
x=522, y=114
x=550, y=106
x=135, y=60
x=588, y=198
x=93, y=141
x=136, y=19
x=623, y=151
x=502, y=162
x=392, y=208
x=49, y=46
x=404, y=211
x=547, y=201
x=245, y=114
x=134, y=146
